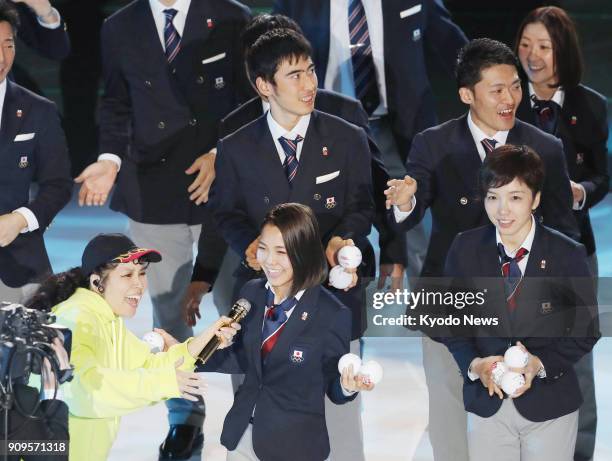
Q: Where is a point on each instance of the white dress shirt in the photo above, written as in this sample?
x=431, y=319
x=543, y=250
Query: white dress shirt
x=157, y=8
x=277, y=131
x=339, y=75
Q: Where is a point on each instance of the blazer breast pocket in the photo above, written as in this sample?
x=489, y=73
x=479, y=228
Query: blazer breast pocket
x=301, y=354
x=24, y=137
x=327, y=177
x=216, y=57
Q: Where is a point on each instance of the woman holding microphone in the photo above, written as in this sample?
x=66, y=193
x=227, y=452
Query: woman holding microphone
x=115, y=372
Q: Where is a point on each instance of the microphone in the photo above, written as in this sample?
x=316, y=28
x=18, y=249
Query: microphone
x=238, y=311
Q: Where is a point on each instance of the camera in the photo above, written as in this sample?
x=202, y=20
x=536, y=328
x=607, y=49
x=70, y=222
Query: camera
x=25, y=341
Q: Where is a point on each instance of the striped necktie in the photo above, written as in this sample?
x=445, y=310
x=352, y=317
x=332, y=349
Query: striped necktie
x=547, y=114
x=290, y=165
x=274, y=321
x=364, y=72
x=488, y=145
x=512, y=274
x=172, y=38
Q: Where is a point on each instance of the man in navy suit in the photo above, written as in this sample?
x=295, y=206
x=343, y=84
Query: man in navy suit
x=294, y=153
x=172, y=69
x=32, y=150
x=375, y=51
x=544, y=301
x=442, y=175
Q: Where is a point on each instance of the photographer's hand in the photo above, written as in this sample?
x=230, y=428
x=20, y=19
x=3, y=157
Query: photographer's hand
x=48, y=376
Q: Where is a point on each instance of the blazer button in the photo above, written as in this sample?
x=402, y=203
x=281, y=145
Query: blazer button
x=163, y=160
x=266, y=200
x=193, y=122
x=200, y=80
x=148, y=83
x=317, y=196
x=173, y=70
x=161, y=125
x=463, y=200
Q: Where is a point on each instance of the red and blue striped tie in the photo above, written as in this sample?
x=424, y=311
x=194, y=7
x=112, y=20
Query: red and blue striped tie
x=488, y=145
x=290, y=165
x=512, y=274
x=172, y=38
x=364, y=72
x=274, y=321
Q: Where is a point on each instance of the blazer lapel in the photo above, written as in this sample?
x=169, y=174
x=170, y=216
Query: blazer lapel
x=308, y=159
x=13, y=114
x=295, y=325
x=268, y=164
x=197, y=28
x=148, y=38
x=255, y=334
x=465, y=154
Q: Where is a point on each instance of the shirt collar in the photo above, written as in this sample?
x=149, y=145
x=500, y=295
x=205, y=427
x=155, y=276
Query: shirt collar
x=182, y=6
x=297, y=296
x=299, y=129
x=558, y=97
x=527, y=243
x=265, y=105
x=479, y=135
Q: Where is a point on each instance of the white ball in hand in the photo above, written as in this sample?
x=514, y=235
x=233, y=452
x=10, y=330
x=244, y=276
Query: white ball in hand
x=339, y=278
x=515, y=357
x=511, y=381
x=155, y=341
x=347, y=360
x=498, y=369
x=349, y=257
x=372, y=372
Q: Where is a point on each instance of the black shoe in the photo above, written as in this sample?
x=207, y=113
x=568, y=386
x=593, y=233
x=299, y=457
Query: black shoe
x=181, y=442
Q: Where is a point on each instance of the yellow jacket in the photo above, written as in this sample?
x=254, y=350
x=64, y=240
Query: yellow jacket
x=115, y=373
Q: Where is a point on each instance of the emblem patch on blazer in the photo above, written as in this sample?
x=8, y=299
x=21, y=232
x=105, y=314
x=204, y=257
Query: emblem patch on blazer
x=330, y=202
x=324, y=151
x=579, y=158
x=297, y=356
x=416, y=35
x=546, y=308
x=19, y=113
x=23, y=161
x=219, y=83
x=209, y=23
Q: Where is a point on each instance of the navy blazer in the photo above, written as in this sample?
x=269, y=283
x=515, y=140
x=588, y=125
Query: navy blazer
x=158, y=117
x=32, y=150
x=286, y=392
x=50, y=43
x=407, y=40
x=349, y=109
x=555, y=318
x=583, y=128
x=445, y=163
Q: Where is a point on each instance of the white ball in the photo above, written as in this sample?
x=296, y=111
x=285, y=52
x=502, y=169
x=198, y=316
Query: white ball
x=515, y=357
x=155, y=341
x=497, y=372
x=339, y=278
x=372, y=372
x=511, y=381
x=349, y=257
x=349, y=359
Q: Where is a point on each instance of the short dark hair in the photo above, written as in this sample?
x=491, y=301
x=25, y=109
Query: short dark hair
x=478, y=55
x=273, y=48
x=509, y=162
x=263, y=23
x=568, y=60
x=8, y=13
x=300, y=230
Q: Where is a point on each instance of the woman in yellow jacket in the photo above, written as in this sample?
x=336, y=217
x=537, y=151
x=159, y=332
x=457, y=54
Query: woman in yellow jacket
x=115, y=372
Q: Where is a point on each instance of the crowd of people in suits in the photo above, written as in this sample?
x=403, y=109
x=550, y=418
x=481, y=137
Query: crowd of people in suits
x=270, y=143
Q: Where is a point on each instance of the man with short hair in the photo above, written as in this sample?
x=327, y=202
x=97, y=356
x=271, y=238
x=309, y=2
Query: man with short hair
x=32, y=151
x=442, y=171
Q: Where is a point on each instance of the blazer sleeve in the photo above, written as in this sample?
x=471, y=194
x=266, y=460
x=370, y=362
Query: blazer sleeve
x=421, y=167
x=228, y=205
x=115, y=104
x=50, y=43
x=359, y=212
x=211, y=250
x=562, y=353
x=597, y=183
x=336, y=345
x=443, y=37
x=557, y=198
x=53, y=169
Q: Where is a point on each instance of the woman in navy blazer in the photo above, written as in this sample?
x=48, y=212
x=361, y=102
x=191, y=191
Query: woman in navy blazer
x=546, y=305
x=556, y=102
x=291, y=341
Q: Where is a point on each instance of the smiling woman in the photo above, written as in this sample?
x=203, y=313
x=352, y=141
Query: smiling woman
x=115, y=372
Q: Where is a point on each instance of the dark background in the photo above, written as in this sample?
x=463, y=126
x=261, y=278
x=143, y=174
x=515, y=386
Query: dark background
x=75, y=84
